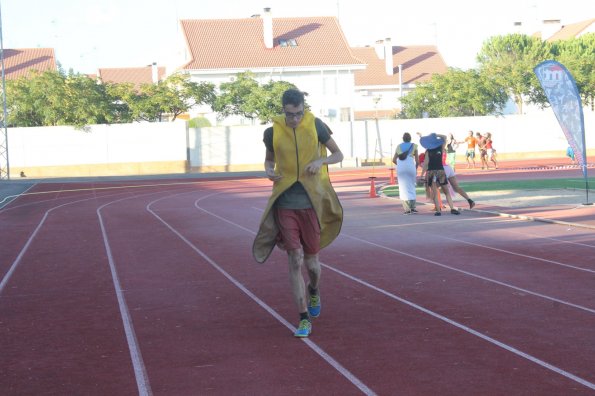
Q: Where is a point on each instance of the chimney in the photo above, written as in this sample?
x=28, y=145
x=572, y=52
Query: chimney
x=400, y=80
x=267, y=25
x=378, y=47
x=388, y=56
x=155, y=73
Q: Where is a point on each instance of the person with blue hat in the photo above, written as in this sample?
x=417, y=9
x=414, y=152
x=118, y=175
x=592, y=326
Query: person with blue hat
x=435, y=175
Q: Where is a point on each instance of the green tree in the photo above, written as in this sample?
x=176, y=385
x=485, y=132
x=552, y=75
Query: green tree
x=233, y=96
x=173, y=96
x=121, y=96
x=86, y=102
x=199, y=122
x=454, y=94
x=247, y=98
x=509, y=60
x=23, y=99
x=53, y=98
x=578, y=55
x=267, y=103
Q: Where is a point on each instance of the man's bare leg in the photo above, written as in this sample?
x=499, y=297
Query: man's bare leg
x=296, y=279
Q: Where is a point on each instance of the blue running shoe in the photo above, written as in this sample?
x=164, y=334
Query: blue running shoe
x=304, y=329
x=314, y=305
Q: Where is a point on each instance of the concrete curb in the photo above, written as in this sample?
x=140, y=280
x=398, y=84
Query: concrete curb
x=503, y=214
x=533, y=218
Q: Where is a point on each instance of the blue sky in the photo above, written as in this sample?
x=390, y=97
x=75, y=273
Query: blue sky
x=88, y=34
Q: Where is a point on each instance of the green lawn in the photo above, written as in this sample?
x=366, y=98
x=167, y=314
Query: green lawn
x=543, y=184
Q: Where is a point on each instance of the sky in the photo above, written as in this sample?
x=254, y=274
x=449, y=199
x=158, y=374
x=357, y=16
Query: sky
x=91, y=34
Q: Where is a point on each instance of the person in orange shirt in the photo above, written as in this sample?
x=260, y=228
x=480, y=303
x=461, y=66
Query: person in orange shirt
x=470, y=154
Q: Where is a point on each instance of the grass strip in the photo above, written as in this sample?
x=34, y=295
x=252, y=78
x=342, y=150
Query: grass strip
x=541, y=184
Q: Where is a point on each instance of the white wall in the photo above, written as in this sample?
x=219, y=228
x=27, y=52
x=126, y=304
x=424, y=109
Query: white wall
x=220, y=148
x=100, y=144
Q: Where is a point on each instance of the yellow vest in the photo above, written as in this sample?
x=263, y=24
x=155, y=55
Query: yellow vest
x=294, y=149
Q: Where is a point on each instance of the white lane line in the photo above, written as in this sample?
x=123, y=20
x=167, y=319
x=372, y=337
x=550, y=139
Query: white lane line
x=471, y=274
x=140, y=372
x=325, y=356
x=552, y=239
x=7, y=200
x=19, y=257
x=444, y=318
x=468, y=330
x=514, y=253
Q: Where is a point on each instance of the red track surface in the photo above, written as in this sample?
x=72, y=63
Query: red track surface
x=125, y=288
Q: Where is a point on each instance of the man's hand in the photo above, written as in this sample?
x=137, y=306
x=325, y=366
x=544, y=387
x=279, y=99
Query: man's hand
x=313, y=167
x=270, y=172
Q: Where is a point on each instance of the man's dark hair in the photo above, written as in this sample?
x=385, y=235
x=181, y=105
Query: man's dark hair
x=406, y=137
x=292, y=97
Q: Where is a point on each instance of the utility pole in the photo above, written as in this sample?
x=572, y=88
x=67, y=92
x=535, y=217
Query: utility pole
x=4, y=166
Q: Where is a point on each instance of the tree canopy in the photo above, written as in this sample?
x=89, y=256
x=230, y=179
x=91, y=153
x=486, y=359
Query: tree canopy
x=246, y=97
x=505, y=71
x=54, y=98
x=454, y=94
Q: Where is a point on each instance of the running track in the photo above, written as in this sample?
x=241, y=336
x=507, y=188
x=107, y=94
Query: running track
x=123, y=288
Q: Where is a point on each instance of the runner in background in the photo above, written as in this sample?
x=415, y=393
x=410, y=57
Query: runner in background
x=470, y=153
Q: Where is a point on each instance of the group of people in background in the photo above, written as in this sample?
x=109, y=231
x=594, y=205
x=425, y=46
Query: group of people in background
x=484, y=143
x=437, y=171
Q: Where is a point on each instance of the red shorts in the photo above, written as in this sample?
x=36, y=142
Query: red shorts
x=299, y=228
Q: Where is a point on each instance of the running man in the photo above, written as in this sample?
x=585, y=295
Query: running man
x=303, y=213
x=470, y=154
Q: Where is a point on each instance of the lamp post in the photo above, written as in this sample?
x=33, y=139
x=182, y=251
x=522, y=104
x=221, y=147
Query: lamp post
x=4, y=165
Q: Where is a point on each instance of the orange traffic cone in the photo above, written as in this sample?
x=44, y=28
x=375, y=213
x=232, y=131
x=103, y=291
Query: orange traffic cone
x=372, y=187
x=392, y=177
x=440, y=199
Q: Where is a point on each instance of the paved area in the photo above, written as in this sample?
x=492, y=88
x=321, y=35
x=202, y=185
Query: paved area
x=565, y=206
x=556, y=206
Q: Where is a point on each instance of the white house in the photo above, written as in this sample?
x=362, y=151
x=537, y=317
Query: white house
x=391, y=72
x=310, y=52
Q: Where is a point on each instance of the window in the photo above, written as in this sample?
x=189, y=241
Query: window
x=287, y=43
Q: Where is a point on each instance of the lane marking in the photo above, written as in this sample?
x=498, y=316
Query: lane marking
x=471, y=274
x=27, y=244
x=118, y=187
x=140, y=371
x=469, y=330
x=461, y=326
x=325, y=356
x=512, y=253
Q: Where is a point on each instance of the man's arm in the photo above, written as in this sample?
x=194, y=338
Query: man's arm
x=269, y=166
x=335, y=157
x=336, y=153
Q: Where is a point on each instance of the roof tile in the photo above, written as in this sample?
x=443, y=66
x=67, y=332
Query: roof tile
x=19, y=62
x=239, y=43
x=134, y=75
x=419, y=64
x=571, y=31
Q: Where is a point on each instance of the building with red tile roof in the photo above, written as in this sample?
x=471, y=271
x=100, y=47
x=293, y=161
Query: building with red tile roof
x=343, y=83
x=573, y=30
x=310, y=52
x=19, y=62
x=379, y=87
x=138, y=76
